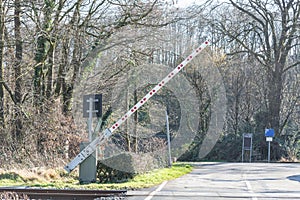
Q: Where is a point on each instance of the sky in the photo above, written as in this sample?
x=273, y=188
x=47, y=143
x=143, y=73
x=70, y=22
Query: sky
x=183, y=3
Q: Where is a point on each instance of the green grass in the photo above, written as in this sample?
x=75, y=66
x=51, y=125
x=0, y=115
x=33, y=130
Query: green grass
x=64, y=180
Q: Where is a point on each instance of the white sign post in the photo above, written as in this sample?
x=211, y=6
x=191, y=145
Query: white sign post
x=269, y=133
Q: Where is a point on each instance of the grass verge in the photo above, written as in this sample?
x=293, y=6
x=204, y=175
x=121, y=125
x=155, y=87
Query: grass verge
x=60, y=179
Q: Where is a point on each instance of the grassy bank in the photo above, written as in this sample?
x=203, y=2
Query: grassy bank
x=60, y=179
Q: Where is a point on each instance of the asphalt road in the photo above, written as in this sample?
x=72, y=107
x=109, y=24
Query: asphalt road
x=255, y=181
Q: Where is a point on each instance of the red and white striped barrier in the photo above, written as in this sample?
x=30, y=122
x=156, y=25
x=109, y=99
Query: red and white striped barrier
x=108, y=132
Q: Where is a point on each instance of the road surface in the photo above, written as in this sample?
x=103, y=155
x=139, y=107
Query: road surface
x=255, y=181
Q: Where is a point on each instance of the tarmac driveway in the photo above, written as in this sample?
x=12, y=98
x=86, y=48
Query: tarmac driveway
x=256, y=181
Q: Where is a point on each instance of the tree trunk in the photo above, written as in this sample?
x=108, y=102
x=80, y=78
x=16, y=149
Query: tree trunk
x=18, y=71
x=50, y=70
x=275, y=97
x=68, y=86
x=40, y=55
x=67, y=97
x=62, y=69
x=44, y=50
x=2, y=119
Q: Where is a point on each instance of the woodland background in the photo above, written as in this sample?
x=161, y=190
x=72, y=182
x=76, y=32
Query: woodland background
x=45, y=46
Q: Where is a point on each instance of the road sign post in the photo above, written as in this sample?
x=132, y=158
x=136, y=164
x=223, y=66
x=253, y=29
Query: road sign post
x=92, y=107
x=169, y=140
x=269, y=151
x=269, y=133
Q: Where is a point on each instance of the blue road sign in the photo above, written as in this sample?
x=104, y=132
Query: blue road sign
x=269, y=132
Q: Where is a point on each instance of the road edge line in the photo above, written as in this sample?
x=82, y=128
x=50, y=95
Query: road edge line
x=152, y=194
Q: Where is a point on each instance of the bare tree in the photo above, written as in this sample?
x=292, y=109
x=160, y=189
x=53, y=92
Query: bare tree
x=268, y=30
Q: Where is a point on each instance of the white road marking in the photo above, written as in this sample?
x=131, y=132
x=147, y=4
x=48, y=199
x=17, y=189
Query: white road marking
x=152, y=194
x=249, y=187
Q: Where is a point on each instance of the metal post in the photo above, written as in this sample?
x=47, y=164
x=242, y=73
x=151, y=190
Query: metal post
x=250, y=150
x=169, y=140
x=90, y=120
x=269, y=149
x=243, y=148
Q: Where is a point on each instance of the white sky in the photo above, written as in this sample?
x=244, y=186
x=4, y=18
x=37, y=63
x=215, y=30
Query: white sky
x=185, y=3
